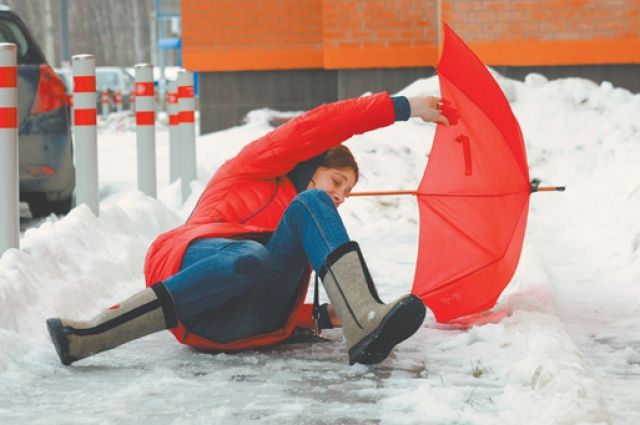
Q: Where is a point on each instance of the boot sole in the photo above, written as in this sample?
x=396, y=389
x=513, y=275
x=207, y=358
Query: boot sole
x=400, y=323
x=59, y=339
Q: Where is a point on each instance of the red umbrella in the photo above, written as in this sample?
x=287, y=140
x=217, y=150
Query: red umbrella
x=474, y=195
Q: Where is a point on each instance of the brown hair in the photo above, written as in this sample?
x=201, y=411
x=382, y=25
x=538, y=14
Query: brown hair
x=341, y=157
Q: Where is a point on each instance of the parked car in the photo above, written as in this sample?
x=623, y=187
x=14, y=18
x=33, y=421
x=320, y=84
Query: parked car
x=47, y=174
x=114, y=79
x=66, y=76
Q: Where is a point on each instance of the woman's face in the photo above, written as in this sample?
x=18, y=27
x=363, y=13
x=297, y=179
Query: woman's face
x=337, y=182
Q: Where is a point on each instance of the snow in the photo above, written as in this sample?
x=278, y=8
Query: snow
x=561, y=347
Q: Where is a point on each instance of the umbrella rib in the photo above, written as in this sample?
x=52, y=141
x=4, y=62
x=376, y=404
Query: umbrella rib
x=449, y=222
x=481, y=267
x=472, y=195
x=451, y=282
x=444, y=74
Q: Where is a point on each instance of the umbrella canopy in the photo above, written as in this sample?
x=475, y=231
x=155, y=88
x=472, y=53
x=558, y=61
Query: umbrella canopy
x=474, y=196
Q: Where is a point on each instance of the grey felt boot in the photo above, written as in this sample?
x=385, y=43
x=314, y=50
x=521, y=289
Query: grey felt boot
x=371, y=328
x=146, y=312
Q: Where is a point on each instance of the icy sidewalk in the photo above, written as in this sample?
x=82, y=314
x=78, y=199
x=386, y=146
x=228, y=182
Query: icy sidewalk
x=523, y=369
x=608, y=336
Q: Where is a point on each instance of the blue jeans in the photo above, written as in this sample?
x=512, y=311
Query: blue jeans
x=230, y=289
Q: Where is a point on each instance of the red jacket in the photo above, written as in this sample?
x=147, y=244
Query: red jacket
x=250, y=192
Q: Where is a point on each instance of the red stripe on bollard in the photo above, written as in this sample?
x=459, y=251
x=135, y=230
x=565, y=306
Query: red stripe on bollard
x=173, y=119
x=185, y=91
x=186, y=116
x=9, y=117
x=84, y=84
x=145, y=118
x=144, y=89
x=8, y=76
x=84, y=117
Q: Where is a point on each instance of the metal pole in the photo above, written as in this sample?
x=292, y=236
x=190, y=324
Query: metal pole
x=145, y=129
x=153, y=27
x=186, y=118
x=49, y=46
x=174, y=136
x=84, y=130
x=64, y=31
x=9, y=179
x=162, y=83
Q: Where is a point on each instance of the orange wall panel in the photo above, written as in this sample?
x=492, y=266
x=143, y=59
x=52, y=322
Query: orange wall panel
x=559, y=52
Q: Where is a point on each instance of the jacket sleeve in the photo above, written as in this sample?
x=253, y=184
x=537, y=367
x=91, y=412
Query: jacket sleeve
x=310, y=134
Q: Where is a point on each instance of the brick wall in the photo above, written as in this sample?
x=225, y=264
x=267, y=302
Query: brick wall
x=224, y=35
x=379, y=33
x=548, y=32
x=496, y=20
x=238, y=35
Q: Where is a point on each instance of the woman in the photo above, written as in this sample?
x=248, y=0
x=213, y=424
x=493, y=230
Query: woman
x=235, y=275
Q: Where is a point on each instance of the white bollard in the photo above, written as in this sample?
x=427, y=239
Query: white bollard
x=104, y=101
x=174, y=136
x=186, y=117
x=9, y=178
x=145, y=129
x=85, y=134
x=118, y=99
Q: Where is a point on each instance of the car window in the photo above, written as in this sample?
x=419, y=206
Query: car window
x=129, y=81
x=107, y=80
x=11, y=33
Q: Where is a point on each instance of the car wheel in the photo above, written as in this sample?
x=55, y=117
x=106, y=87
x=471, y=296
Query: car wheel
x=41, y=207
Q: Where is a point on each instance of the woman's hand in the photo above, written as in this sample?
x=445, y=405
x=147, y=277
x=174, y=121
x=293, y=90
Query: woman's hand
x=429, y=108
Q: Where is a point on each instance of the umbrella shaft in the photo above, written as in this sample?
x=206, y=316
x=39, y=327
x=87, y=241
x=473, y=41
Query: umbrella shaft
x=413, y=192
x=384, y=193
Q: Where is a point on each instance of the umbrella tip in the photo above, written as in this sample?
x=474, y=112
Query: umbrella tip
x=535, y=187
